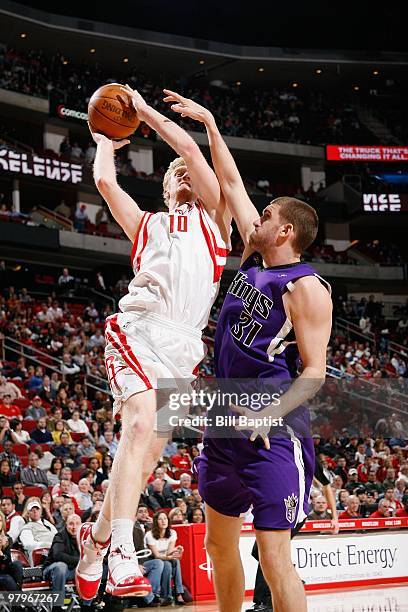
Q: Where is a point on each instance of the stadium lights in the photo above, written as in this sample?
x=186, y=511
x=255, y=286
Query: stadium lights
x=65, y=61
x=238, y=83
x=356, y=88
x=261, y=69
x=92, y=50
x=23, y=35
x=295, y=84
x=375, y=72
x=319, y=71
x=125, y=60
x=201, y=62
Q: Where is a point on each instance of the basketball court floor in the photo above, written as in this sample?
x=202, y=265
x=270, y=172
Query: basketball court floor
x=375, y=599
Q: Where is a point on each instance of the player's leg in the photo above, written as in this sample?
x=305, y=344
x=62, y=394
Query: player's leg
x=274, y=553
x=138, y=417
x=138, y=420
x=101, y=530
x=222, y=544
x=119, y=508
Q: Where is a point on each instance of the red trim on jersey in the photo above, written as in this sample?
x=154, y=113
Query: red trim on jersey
x=131, y=365
x=134, y=247
x=110, y=367
x=212, y=245
x=209, y=243
x=145, y=236
x=122, y=338
x=221, y=251
x=126, y=351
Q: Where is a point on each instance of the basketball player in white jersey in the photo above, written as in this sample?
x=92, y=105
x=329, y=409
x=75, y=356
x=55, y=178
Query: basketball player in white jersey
x=155, y=339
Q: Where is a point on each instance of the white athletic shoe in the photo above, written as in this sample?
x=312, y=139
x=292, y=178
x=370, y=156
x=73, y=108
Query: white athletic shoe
x=125, y=577
x=88, y=573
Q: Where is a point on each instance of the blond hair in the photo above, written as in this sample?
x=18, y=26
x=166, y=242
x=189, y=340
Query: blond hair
x=179, y=161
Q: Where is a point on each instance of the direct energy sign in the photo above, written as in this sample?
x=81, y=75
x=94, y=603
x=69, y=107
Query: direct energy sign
x=52, y=169
x=385, y=202
x=366, y=153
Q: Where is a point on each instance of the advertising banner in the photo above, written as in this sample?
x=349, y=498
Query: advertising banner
x=323, y=561
x=366, y=153
x=385, y=202
x=351, y=558
x=76, y=113
x=52, y=169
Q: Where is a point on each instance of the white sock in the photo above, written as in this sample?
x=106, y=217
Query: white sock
x=101, y=529
x=122, y=534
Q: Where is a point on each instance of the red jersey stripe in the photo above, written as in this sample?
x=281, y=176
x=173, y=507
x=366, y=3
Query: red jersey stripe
x=220, y=251
x=145, y=236
x=123, y=340
x=208, y=241
x=134, y=247
x=131, y=365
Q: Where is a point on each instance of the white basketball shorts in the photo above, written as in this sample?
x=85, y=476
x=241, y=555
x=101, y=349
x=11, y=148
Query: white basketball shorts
x=147, y=351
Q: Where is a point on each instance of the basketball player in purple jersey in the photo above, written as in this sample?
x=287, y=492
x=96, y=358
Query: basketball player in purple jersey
x=274, y=324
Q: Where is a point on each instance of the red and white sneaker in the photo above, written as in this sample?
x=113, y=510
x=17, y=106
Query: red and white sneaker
x=124, y=576
x=88, y=573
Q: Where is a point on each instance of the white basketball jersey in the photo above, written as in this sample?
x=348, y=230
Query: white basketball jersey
x=178, y=258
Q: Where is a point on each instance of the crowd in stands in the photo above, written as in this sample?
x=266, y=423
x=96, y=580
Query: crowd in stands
x=367, y=316
x=369, y=478
x=272, y=114
x=58, y=439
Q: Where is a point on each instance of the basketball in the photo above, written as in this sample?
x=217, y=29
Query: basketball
x=109, y=114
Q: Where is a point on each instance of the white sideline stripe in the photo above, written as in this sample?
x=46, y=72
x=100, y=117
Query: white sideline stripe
x=297, y=454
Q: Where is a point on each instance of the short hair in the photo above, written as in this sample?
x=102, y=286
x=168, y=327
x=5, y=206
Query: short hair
x=13, y=501
x=304, y=219
x=179, y=161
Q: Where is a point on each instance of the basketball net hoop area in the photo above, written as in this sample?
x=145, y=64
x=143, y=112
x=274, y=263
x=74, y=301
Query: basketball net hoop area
x=365, y=552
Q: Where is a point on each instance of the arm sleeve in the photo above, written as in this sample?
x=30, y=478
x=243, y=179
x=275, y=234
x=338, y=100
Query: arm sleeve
x=60, y=553
x=16, y=525
x=24, y=479
x=27, y=538
x=173, y=536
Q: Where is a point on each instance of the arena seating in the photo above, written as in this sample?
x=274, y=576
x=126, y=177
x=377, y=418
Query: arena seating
x=377, y=427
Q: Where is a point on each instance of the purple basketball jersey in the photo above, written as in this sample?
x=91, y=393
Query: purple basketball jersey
x=254, y=346
x=254, y=338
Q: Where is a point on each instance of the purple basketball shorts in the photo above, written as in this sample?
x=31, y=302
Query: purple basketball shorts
x=234, y=474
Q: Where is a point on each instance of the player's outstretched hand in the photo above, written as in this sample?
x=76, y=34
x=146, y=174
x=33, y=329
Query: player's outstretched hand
x=261, y=430
x=186, y=107
x=117, y=144
x=133, y=98
x=335, y=526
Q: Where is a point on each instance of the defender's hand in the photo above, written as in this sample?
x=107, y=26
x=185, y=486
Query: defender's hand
x=262, y=430
x=186, y=107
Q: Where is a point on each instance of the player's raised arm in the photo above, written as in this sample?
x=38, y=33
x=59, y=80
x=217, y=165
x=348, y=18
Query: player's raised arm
x=236, y=197
x=202, y=175
x=124, y=209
